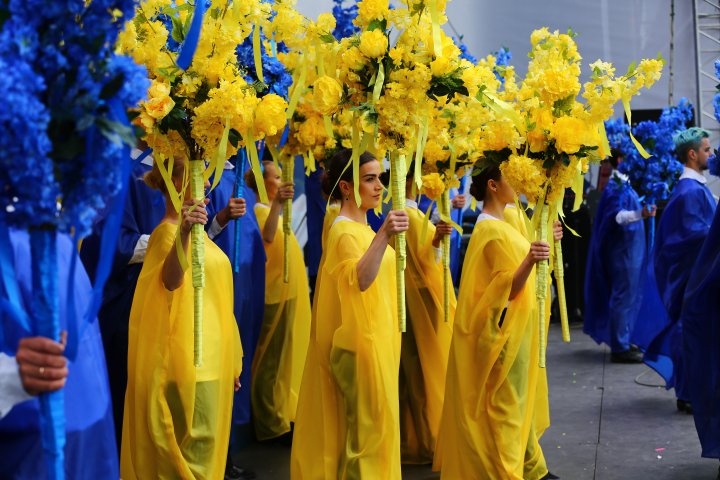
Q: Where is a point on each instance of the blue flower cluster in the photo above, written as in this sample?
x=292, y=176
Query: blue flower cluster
x=65, y=95
x=655, y=177
x=344, y=17
x=276, y=76
x=502, y=60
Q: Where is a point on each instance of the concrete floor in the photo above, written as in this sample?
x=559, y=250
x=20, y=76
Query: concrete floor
x=605, y=426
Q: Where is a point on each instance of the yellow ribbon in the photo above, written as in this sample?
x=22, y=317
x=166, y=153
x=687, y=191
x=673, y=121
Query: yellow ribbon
x=435, y=20
x=426, y=221
x=257, y=52
x=298, y=88
x=379, y=80
x=255, y=166
x=219, y=166
x=504, y=109
x=628, y=113
x=309, y=162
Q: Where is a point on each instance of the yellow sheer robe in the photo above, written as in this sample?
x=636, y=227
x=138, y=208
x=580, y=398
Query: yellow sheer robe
x=425, y=345
x=177, y=416
x=331, y=213
x=280, y=356
x=487, y=427
x=347, y=424
x=516, y=218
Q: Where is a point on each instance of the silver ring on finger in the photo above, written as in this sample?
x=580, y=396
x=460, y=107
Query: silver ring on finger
x=41, y=371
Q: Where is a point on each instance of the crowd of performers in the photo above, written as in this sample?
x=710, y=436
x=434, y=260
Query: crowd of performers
x=357, y=396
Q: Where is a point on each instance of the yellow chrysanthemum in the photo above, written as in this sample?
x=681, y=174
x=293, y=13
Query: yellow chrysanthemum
x=432, y=186
x=373, y=44
x=327, y=93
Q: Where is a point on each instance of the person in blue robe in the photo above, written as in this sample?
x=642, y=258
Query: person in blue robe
x=144, y=209
x=681, y=233
x=613, y=278
x=248, y=281
x=700, y=319
x=90, y=450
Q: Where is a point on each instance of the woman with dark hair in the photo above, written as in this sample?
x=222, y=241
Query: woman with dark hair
x=280, y=356
x=487, y=427
x=348, y=423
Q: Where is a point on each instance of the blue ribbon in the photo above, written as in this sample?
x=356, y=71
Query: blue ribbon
x=284, y=138
x=239, y=193
x=187, y=51
x=651, y=236
x=43, y=247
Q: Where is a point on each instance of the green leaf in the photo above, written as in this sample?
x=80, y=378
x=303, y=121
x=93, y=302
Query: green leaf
x=327, y=38
x=377, y=25
x=177, y=30
x=631, y=69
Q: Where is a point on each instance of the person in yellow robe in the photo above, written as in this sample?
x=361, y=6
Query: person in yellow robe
x=177, y=416
x=348, y=414
x=488, y=423
x=518, y=219
x=280, y=356
x=426, y=343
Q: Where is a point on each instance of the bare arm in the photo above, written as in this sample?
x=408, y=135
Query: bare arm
x=172, y=272
x=369, y=264
x=285, y=191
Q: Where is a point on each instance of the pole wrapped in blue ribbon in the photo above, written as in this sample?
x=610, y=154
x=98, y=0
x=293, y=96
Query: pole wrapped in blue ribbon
x=46, y=315
x=239, y=193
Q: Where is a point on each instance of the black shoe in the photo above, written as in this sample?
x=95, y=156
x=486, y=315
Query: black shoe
x=684, y=406
x=635, y=348
x=628, y=356
x=237, y=473
x=550, y=476
x=718, y=477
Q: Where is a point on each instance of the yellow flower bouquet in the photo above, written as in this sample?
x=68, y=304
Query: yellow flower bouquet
x=201, y=112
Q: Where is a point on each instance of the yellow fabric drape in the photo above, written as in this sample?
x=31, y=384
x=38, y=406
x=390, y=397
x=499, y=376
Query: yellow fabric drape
x=331, y=213
x=487, y=427
x=425, y=345
x=542, y=405
x=280, y=356
x=177, y=416
x=348, y=422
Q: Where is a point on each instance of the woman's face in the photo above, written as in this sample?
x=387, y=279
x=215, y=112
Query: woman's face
x=501, y=190
x=272, y=179
x=371, y=187
x=505, y=192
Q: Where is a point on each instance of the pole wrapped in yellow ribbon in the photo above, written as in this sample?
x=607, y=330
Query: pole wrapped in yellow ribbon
x=398, y=172
x=197, y=190
x=288, y=166
x=560, y=281
x=447, y=280
x=541, y=276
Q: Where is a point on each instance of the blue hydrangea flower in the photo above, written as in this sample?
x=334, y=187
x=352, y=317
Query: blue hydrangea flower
x=344, y=17
x=61, y=162
x=655, y=177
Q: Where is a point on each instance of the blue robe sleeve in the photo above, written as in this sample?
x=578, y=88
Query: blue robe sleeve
x=90, y=450
x=701, y=341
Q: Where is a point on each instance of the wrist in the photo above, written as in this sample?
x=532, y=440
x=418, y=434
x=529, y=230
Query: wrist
x=223, y=217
